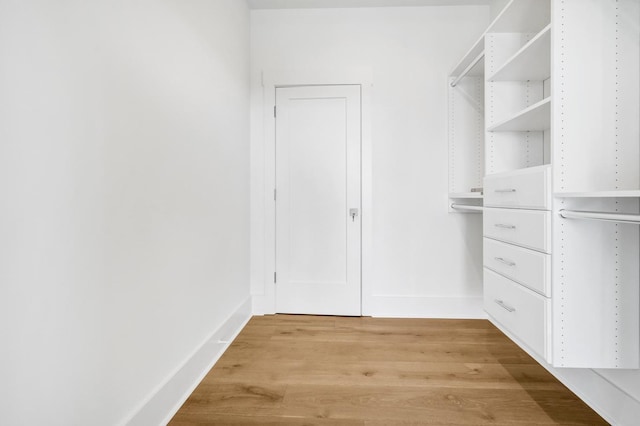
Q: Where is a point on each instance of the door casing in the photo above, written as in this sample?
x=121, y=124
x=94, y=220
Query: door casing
x=263, y=149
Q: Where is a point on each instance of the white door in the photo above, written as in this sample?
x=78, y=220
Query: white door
x=318, y=213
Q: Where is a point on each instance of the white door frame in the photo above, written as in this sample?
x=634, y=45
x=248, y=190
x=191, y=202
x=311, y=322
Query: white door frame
x=264, y=302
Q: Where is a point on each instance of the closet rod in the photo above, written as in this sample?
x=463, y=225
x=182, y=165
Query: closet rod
x=473, y=63
x=466, y=207
x=609, y=217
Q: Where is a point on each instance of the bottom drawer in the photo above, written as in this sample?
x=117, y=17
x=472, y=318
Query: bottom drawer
x=518, y=309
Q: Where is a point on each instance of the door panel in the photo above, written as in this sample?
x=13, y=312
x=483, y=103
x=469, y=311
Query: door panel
x=318, y=182
x=317, y=191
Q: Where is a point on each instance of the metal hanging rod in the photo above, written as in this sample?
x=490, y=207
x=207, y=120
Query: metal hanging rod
x=473, y=63
x=608, y=217
x=466, y=207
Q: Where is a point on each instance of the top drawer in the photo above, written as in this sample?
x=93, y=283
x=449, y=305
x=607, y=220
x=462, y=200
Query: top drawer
x=525, y=188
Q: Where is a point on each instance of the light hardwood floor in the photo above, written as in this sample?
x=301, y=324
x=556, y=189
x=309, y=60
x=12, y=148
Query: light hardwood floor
x=311, y=370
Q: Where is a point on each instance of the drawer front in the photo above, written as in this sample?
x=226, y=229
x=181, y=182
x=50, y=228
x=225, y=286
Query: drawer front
x=526, y=228
x=528, y=267
x=519, y=310
x=528, y=189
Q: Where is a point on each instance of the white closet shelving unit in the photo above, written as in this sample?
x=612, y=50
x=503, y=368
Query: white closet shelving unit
x=596, y=157
x=517, y=218
x=558, y=158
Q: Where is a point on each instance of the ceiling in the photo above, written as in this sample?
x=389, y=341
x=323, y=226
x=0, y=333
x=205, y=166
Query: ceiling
x=312, y=4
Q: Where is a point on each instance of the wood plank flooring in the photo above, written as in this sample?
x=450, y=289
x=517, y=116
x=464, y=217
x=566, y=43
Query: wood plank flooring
x=313, y=370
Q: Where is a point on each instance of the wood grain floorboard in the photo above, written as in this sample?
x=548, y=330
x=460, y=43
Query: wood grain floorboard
x=316, y=370
x=415, y=374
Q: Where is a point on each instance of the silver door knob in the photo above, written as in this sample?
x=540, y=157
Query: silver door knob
x=353, y=213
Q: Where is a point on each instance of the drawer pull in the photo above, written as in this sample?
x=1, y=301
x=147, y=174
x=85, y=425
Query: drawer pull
x=504, y=305
x=506, y=190
x=505, y=261
x=504, y=226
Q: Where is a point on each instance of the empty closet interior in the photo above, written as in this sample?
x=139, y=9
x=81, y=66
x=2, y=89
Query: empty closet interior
x=499, y=178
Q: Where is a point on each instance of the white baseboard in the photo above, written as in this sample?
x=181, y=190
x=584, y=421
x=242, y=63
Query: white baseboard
x=605, y=398
x=401, y=307
x=165, y=401
x=423, y=307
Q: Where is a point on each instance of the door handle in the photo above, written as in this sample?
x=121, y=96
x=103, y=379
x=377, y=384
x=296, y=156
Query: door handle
x=353, y=213
x=505, y=190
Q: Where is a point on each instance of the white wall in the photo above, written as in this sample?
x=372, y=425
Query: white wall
x=497, y=6
x=124, y=209
x=425, y=260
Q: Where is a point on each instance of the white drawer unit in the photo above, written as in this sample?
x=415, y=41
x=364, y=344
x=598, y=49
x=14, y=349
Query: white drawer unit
x=528, y=267
x=519, y=310
x=526, y=228
x=526, y=189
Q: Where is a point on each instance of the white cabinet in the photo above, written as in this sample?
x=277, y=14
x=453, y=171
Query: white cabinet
x=516, y=258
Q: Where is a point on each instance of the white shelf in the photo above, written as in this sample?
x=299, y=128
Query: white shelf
x=522, y=16
x=466, y=195
x=535, y=118
x=519, y=16
x=531, y=62
x=599, y=194
x=468, y=58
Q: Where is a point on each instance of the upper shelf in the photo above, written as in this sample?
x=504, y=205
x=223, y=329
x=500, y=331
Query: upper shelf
x=518, y=16
x=535, y=118
x=522, y=16
x=531, y=62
